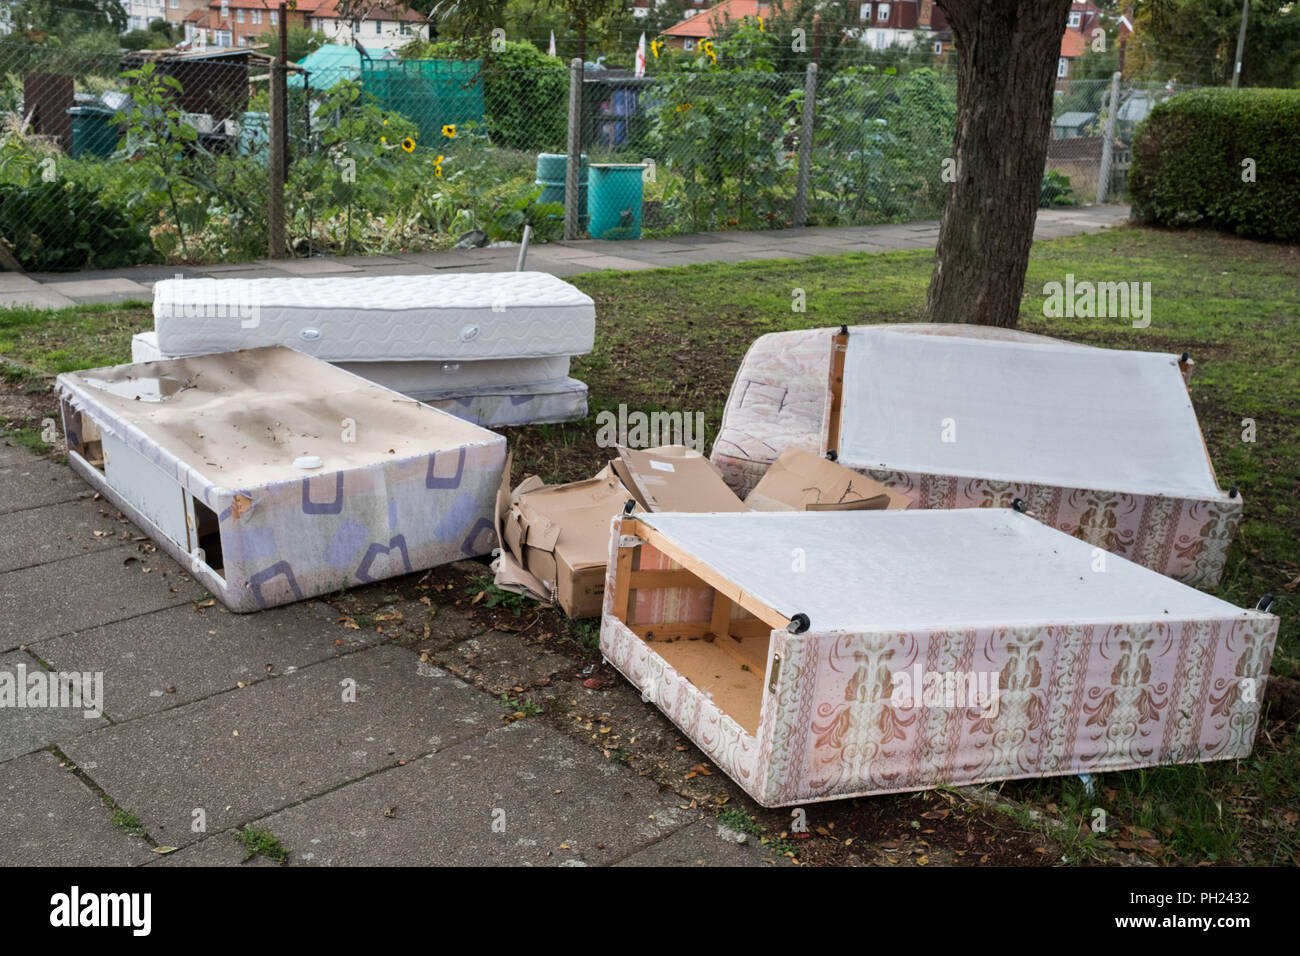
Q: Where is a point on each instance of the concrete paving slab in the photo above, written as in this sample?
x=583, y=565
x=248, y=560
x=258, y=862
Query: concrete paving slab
x=183, y=654
x=30, y=482
x=41, y=298
x=86, y=591
x=54, y=532
x=48, y=817
x=17, y=282
x=102, y=290
x=706, y=843
x=554, y=801
x=565, y=250
x=242, y=755
x=618, y=263
x=308, y=267
x=560, y=269
x=25, y=729
x=446, y=259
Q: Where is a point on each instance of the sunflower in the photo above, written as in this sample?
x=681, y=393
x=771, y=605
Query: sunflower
x=449, y=131
x=408, y=144
x=437, y=167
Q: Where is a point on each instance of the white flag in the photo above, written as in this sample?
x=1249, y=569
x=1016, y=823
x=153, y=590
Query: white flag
x=551, y=51
x=640, y=56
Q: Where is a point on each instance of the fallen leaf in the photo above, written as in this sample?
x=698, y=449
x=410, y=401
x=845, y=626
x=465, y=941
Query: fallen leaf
x=165, y=849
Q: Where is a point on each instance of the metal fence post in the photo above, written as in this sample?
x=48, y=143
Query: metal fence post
x=805, y=147
x=278, y=152
x=1108, y=141
x=573, y=165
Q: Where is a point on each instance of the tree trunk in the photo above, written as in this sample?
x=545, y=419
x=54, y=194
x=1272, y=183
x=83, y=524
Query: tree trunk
x=1007, y=53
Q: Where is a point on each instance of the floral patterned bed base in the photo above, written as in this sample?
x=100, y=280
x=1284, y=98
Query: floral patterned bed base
x=779, y=399
x=1073, y=698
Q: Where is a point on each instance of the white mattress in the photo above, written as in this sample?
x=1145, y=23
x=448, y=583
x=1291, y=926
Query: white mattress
x=489, y=315
x=1040, y=412
x=431, y=376
x=915, y=570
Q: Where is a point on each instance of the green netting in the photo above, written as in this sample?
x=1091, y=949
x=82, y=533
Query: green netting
x=431, y=93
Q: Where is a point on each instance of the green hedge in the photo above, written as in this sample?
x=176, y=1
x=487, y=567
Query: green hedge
x=1188, y=162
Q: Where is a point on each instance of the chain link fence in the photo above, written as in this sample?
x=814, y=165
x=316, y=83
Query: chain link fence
x=109, y=160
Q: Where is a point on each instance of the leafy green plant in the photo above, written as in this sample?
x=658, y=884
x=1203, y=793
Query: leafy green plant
x=1056, y=190
x=739, y=820
x=520, y=705
x=159, y=139
x=259, y=841
x=494, y=596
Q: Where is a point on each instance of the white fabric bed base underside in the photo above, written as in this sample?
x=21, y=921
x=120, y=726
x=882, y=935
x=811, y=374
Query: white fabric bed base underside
x=1030, y=412
x=916, y=570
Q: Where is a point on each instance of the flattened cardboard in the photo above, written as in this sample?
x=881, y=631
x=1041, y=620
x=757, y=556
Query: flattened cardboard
x=801, y=481
x=555, y=539
x=674, y=478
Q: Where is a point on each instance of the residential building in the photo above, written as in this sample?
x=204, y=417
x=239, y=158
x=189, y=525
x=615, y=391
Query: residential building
x=686, y=34
x=1085, y=19
x=139, y=13
x=381, y=24
x=236, y=23
x=879, y=24
x=902, y=23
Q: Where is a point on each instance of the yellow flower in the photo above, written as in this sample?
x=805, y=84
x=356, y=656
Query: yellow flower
x=408, y=144
x=683, y=106
x=707, y=47
x=383, y=139
x=437, y=167
x=449, y=131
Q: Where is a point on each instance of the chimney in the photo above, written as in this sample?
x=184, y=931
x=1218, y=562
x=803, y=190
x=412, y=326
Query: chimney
x=927, y=12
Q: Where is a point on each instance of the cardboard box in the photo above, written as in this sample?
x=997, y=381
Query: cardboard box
x=801, y=481
x=555, y=538
x=674, y=478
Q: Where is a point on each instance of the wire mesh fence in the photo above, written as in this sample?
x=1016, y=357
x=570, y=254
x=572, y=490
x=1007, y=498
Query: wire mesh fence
x=109, y=160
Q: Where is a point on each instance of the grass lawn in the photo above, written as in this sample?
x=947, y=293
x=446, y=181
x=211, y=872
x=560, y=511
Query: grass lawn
x=671, y=340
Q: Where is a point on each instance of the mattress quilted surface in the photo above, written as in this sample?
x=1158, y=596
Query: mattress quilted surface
x=488, y=315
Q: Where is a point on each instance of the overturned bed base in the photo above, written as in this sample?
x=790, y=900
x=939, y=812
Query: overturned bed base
x=815, y=656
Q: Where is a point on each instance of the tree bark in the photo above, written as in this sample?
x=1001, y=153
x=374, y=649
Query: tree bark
x=1007, y=53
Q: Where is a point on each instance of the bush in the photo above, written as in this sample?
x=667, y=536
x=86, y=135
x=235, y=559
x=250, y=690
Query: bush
x=1190, y=163
x=64, y=225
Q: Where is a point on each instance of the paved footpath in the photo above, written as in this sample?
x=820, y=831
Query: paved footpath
x=59, y=290
x=240, y=720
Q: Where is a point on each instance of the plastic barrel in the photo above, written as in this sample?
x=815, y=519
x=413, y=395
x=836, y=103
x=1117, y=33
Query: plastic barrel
x=552, y=171
x=614, y=209
x=93, y=132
